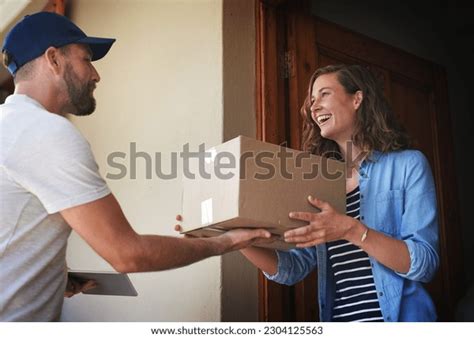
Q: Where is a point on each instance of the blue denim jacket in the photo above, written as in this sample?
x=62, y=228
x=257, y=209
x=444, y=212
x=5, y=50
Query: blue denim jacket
x=398, y=198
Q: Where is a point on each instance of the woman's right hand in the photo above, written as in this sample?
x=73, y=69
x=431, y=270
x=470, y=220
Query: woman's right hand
x=179, y=228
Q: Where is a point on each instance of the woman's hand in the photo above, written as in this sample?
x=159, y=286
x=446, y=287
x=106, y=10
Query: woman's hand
x=325, y=226
x=179, y=228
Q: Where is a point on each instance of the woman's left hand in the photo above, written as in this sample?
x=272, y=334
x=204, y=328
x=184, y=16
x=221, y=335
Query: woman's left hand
x=325, y=226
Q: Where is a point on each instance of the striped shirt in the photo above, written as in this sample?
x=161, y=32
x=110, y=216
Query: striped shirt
x=356, y=297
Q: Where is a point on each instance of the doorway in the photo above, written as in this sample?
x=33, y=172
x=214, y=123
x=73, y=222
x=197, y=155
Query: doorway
x=291, y=44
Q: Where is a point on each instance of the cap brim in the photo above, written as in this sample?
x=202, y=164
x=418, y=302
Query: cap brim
x=98, y=46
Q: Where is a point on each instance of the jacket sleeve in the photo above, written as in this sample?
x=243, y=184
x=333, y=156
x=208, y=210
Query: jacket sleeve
x=294, y=265
x=419, y=227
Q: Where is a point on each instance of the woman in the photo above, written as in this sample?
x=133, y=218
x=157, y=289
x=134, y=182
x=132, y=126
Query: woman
x=370, y=262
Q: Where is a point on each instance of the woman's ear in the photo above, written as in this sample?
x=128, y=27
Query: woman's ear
x=358, y=97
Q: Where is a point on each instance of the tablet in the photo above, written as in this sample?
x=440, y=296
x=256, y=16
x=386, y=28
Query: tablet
x=108, y=283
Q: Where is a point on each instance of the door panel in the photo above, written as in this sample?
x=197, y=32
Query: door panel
x=412, y=105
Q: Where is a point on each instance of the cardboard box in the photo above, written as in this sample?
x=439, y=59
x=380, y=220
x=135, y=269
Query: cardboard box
x=246, y=183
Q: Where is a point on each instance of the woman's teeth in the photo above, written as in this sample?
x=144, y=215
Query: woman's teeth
x=323, y=118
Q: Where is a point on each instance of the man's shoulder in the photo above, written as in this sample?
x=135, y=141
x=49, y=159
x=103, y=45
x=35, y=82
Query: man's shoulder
x=30, y=131
x=58, y=125
x=33, y=122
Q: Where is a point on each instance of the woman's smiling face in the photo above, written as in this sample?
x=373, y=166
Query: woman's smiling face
x=333, y=109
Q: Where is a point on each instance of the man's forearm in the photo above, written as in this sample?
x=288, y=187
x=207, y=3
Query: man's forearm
x=104, y=227
x=154, y=253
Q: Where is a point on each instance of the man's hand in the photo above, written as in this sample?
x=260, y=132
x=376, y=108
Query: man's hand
x=75, y=286
x=241, y=238
x=236, y=239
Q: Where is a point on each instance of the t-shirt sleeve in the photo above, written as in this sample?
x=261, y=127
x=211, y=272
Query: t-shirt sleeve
x=55, y=163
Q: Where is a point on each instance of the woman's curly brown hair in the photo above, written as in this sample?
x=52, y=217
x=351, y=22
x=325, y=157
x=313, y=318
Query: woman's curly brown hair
x=377, y=127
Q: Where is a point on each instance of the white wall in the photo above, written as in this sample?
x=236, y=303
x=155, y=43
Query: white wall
x=161, y=87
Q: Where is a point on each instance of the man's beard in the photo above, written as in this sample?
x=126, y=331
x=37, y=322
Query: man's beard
x=81, y=101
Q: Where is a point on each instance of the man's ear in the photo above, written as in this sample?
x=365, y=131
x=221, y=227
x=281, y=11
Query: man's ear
x=54, y=59
x=358, y=97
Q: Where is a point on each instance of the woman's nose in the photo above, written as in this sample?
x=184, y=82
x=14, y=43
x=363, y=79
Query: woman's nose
x=315, y=106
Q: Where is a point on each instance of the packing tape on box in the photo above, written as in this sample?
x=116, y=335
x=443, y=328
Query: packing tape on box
x=206, y=211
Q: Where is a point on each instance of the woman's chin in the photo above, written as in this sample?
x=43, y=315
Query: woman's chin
x=326, y=134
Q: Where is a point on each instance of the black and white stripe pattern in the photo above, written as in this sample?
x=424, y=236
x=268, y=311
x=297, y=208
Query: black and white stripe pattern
x=356, y=297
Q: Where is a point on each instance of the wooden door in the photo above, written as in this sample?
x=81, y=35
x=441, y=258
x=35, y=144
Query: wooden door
x=291, y=45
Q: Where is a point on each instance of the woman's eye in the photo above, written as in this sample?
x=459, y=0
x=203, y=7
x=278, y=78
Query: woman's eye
x=324, y=94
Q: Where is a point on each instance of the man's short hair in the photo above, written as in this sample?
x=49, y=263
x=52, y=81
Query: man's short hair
x=26, y=71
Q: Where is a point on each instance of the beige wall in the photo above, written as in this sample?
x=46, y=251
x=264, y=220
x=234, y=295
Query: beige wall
x=162, y=87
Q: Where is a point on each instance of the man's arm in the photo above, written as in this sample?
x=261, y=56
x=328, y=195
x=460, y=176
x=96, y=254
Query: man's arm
x=104, y=227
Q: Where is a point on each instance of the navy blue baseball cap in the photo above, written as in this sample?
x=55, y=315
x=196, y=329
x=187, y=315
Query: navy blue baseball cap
x=35, y=33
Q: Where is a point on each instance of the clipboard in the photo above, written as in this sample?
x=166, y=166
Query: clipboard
x=108, y=283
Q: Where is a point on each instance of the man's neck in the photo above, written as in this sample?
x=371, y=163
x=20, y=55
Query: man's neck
x=41, y=94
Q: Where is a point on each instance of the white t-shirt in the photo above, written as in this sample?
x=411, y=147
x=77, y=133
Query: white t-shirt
x=46, y=166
